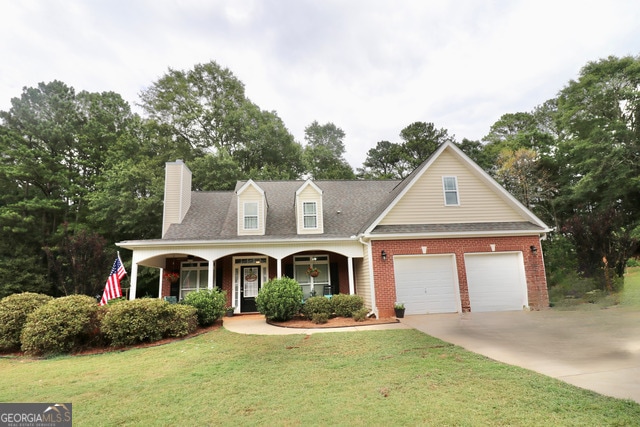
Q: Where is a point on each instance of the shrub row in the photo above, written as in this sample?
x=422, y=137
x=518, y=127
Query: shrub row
x=41, y=325
x=147, y=320
x=339, y=305
x=281, y=299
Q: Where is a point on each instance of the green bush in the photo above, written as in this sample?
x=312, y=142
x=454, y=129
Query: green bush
x=14, y=310
x=633, y=262
x=317, y=305
x=320, y=318
x=346, y=305
x=209, y=303
x=360, y=315
x=146, y=320
x=62, y=325
x=560, y=259
x=184, y=320
x=280, y=299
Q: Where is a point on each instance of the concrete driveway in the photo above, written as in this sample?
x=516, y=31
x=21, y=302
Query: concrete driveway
x=597, y=350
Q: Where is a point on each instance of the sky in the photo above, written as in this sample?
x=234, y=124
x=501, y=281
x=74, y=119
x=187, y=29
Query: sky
x=371, y=67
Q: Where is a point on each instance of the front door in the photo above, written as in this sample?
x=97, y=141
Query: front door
x=249, y=288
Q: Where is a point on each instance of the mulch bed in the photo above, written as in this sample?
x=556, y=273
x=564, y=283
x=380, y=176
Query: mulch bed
x=336, y=322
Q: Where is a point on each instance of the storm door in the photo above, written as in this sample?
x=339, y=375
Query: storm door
x=250, y=285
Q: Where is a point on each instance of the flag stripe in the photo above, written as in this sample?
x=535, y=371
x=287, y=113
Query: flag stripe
x=112, y=288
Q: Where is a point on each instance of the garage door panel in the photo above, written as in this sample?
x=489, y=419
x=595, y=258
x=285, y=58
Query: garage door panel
x=426, y=284
x=495, y=282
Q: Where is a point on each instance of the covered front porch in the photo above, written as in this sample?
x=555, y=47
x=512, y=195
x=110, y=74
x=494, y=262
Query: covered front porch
x=242, y=273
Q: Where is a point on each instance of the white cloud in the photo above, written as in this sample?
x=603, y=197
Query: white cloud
x=370, y=67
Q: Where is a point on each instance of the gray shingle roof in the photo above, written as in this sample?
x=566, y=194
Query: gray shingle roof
x=347, y=206
x=457, y=228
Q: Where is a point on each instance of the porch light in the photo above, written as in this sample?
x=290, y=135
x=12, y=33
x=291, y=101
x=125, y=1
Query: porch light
x=384, y=255
x=533, y=249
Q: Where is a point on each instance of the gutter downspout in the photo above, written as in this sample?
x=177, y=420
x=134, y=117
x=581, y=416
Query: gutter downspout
x=374, y=307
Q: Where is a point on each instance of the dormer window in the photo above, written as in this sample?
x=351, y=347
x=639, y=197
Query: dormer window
x=450, y=185
x=310, y=215
x=252, y=210
x=251, y=216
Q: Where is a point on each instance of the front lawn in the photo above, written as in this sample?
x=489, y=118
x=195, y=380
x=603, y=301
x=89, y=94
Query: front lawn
x=394, y=377
x=631, y=292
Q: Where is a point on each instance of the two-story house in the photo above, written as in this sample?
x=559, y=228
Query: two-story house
x=447, y=238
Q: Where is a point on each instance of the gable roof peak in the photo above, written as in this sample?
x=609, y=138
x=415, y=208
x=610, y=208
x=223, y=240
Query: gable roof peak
x=308, y=183
x=250, y=183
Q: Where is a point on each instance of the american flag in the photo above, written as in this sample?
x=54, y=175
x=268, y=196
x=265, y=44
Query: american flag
x=112, y=288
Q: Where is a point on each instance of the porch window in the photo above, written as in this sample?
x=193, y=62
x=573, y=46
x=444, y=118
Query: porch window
x=251, y=216
x=193, y=277
x=450, y=184
x=312, y=284
x=310, y=214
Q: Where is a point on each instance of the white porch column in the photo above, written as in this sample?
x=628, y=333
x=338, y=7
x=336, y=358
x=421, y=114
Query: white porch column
x=352, y=288
x=134, y=280
x=210, y=277
x=160, y=283
x=279, y=264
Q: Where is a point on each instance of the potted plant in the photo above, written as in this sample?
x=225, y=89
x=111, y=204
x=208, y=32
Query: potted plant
x=399, y=309
x=229, y=311
x=312, y=271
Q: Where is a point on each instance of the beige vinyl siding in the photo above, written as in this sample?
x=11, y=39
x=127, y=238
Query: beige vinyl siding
x=177, y=194
x=424, y=202
x=249, y=195
x=363, y=284
x=309, y=194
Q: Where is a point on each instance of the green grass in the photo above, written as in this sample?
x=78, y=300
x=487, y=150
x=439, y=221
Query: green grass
x=373, y=378
x=596, y=300
x=631, y=293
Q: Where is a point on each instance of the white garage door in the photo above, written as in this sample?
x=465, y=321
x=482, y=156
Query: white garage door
x=426, y=284
x=496, y=281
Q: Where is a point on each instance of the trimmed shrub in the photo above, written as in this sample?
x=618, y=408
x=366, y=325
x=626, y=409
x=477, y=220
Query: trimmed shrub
x=320, y=318
x=185, y=320
x=346, y=305
x=209, y=303
x=14, y=310
x=146, y=320
x=280, y=299
x=360, y=315
x=317, y=305
x=62, y=325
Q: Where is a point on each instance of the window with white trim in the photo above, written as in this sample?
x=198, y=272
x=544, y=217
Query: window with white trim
x=250, y=215
x=313, y=275
x=450, y=185
x=310, y=214
x=194, y=276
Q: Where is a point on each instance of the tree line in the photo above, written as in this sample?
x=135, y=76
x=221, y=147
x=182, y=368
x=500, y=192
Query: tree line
x=80, y=171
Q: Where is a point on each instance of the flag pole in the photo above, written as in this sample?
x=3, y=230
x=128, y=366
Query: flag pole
x=127, y=274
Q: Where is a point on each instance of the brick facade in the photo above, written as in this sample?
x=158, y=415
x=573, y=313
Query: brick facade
x=384, y=276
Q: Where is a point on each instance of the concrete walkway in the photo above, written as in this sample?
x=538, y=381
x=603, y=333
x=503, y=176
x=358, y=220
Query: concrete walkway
x=597, y=350
x=255, y=324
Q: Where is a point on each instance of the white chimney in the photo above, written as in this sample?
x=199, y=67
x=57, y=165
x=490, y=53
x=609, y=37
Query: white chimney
x=177, y=193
